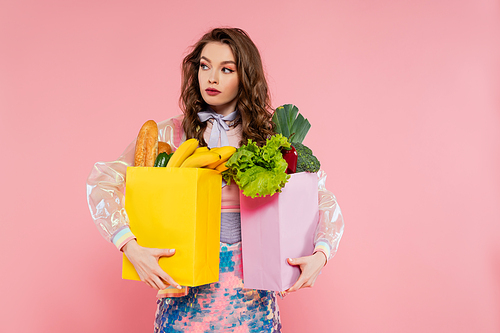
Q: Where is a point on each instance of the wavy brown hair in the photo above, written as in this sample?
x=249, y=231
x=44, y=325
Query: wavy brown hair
x=254, y=102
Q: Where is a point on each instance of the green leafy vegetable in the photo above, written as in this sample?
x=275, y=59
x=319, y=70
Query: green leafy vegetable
x=259, y=171
x=291, y=123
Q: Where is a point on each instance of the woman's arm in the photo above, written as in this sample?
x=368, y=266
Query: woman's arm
x=331, y=222
x=105, y=198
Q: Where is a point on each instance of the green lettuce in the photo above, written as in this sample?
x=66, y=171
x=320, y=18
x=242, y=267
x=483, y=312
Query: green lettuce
x=259, y=171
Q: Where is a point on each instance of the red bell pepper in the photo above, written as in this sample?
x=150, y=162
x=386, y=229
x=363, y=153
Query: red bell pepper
x=290, y=156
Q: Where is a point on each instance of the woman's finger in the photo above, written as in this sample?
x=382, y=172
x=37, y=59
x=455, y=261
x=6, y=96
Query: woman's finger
x=295, y=287
x=168, y=279
x=159, y=284
x=296, y=261
x=149, y=283
x=158, y=253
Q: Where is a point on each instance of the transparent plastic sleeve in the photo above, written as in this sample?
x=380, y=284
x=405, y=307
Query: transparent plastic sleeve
x=331, y=222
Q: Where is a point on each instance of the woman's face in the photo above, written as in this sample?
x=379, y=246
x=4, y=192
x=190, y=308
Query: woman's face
x=218, y=77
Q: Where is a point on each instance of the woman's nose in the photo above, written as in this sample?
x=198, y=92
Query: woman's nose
x=213, y=77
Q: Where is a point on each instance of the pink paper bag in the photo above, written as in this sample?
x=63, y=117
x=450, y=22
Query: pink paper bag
x=277, y=227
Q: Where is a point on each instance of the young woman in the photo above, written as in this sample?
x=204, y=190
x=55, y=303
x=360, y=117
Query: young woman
x=225, y=101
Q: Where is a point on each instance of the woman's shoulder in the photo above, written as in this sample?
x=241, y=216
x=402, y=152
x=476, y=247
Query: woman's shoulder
x=170, y=130
x=175, y=120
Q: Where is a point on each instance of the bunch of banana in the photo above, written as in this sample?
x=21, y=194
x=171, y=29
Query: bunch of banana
x=225, y=153
x=188, y=155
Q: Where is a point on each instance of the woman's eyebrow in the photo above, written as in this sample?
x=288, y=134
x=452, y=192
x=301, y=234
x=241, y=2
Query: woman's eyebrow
x=203, y=57
x=222, y=63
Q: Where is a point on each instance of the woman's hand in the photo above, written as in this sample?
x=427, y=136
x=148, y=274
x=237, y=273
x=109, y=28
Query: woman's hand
x=310, y=267
x=145, y=261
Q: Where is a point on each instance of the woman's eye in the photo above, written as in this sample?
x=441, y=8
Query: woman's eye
x=203, y=66
x=227, y=70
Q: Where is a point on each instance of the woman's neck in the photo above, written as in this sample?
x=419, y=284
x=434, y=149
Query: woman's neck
x=225, y=109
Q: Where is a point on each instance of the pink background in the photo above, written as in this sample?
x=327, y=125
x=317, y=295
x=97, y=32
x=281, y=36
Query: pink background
x=404, y=102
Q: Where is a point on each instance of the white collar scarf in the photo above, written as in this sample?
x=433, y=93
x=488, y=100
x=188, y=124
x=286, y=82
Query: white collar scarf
x=219, y=126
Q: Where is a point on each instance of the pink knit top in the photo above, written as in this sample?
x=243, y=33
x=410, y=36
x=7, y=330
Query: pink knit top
x=230, y=193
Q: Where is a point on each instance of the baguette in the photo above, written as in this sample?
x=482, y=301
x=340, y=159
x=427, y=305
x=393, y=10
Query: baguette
x=146, y=147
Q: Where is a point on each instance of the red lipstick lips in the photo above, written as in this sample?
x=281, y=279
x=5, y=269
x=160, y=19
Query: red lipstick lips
x=212, y=91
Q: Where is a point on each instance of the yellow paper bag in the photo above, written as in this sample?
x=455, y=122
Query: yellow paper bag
x=176, y=208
